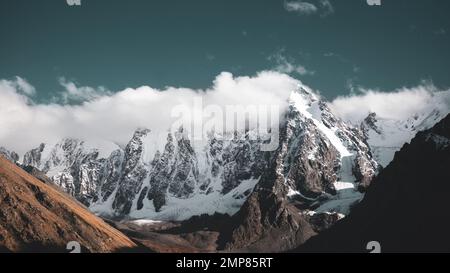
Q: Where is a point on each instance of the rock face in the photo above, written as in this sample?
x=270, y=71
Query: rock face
x=35, y=217
x=405, y=208
x=320, y=166
x=315, y=171
x=267, y=214
x=70, y=166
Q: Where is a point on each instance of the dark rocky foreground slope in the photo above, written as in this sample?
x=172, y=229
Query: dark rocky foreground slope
x=36, y=217
x=406, y=207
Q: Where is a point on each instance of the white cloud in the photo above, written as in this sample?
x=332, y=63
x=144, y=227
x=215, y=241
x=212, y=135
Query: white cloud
x=23, y=86
x=321, y=7
x=73, y=93
x=399, y=104
x=113, y=116
x=300, y=7
x=283, y=65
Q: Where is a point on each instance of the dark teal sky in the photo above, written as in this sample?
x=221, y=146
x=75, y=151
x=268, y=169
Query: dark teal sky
x=118, y=43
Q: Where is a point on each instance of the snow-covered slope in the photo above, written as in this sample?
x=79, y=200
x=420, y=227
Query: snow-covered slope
x=387, y=136
x=165, y=176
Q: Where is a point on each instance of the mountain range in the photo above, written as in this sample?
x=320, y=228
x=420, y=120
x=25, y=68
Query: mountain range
x=270, y=200
x=167, y=177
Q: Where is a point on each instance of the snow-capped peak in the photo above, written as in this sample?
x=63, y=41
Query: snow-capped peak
x=352, y=152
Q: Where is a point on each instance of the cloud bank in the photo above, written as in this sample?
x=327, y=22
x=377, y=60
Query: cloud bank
x=112, y=117
x=104, y=117
x=398, y=104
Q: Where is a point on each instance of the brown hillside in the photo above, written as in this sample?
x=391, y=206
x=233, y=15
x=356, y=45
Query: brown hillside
x=35, y=217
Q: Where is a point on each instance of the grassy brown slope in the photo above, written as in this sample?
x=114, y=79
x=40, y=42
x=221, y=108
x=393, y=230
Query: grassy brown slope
x=35, y=217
